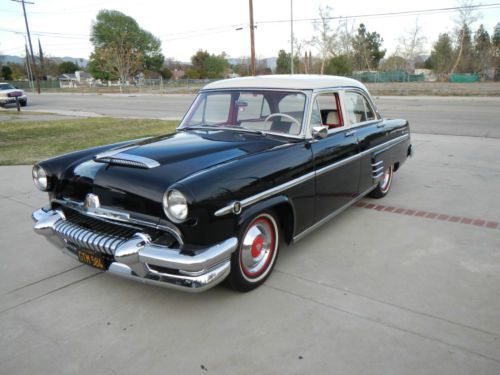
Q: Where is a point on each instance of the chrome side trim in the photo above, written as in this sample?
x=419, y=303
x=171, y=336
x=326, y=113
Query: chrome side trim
x=287, y=185
x=332, y=215
x=392, y=142
x=265, y=194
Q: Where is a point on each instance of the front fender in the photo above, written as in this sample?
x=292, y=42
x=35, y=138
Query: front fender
x=284, y=209
x=265, y=205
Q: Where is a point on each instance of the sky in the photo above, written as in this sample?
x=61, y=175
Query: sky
x=186, y=26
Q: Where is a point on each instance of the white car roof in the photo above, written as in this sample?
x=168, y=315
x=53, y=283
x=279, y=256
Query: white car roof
x=286, y=81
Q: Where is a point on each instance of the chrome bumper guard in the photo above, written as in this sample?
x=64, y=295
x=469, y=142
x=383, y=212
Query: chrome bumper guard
x=137, y=258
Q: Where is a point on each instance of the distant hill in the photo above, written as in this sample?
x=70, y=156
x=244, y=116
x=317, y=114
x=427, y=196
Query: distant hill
x=270, y=61
x=4, y=59
x=11, y=59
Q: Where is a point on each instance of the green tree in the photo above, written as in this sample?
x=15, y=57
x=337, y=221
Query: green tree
x=206, y=65
x=441, y=55
x=166, y=73
x=121, y=47
x=467, y=15
x=392, y=63
x=6, y=73
x=495, y=46
x=67, y=67
x=483, y=50
x=466, y=62
x=283, y=63
x=339, y=65
x=367, y=49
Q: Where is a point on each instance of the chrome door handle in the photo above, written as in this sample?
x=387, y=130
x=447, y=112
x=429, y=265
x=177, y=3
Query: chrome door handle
x=380, y=125
x=349, y=133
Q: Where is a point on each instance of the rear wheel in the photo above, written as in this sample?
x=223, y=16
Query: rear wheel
x=258, y=248
x=384, y=184
x=23, y=103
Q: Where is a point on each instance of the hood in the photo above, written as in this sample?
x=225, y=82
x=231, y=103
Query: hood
x=171, y=158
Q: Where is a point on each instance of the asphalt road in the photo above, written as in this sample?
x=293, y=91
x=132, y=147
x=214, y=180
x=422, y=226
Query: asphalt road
x=471, y=116
x=404, y=285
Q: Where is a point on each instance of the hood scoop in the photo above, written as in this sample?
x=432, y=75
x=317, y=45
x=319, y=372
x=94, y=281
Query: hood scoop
x=119, y=157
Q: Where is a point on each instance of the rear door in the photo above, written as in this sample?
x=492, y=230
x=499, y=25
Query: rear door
x=370, y=132
x=335, y=157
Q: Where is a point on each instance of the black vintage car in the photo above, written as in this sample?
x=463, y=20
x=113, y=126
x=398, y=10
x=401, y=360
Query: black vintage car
x=254, y=162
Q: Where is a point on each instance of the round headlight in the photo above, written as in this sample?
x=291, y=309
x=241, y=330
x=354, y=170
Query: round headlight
x=175, y=206
x=40, y=178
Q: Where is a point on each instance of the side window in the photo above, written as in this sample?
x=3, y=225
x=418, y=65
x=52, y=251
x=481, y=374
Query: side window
x=316, y=115
x=358, y=109
x=370, y=113
x=329, y=110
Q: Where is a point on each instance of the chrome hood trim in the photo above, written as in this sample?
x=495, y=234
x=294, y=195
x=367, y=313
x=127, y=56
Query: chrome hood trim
x=119, y=157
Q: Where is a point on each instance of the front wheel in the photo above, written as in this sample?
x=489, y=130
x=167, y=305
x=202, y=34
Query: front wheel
x=258, y=249
x=23, y=103
x=384, y=184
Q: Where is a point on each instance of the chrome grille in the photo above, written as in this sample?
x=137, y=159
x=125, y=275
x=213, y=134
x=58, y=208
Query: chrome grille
x=89, y=233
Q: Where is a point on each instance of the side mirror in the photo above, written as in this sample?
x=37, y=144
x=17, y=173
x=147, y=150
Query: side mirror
x=319, y=132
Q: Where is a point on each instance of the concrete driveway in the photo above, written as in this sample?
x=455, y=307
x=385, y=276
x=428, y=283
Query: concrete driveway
x=404, y=285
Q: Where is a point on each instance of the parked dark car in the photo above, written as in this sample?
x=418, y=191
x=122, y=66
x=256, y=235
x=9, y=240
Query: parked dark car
x=255, y=161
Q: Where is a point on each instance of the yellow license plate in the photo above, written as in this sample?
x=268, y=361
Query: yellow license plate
x=92, y=259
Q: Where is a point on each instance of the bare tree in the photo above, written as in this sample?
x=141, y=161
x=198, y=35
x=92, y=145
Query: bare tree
x=467, y=15
x=345, y=31
x=324, y=40
x=411, y=45
x=299, y=47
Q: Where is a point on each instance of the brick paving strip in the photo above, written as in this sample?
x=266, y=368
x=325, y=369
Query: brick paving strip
x=430, y=215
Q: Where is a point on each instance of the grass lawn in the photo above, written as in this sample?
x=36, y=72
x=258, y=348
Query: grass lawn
x=25, y=142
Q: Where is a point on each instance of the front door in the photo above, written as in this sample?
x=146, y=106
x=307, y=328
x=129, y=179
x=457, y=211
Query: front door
x=335, y=158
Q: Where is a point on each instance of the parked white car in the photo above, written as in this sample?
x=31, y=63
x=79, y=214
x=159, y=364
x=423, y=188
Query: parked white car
x=9, y=93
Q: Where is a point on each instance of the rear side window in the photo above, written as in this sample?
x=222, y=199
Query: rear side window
x=358, y=109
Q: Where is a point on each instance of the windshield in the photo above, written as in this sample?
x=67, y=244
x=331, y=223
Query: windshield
x=253, y=110
x=6, y=86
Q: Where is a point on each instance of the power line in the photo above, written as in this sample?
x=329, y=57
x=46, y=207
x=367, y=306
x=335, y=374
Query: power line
x=375, y=15
x=201, y=32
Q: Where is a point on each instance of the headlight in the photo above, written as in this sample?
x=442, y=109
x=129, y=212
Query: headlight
x=175, y=206
x=40, y=178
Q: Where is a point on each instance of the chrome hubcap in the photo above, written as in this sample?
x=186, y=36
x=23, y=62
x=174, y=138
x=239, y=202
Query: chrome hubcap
x=385, y=182
x=257, y=247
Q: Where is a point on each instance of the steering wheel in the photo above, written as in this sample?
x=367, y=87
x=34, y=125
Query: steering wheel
x=272, y=115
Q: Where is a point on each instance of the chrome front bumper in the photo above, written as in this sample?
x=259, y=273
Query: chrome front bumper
x=137, y=258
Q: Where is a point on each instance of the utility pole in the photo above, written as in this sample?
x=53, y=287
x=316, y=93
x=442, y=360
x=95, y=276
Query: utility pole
x=28, y=65
x=29, y=40
x=252, y=39
x=291, y=35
